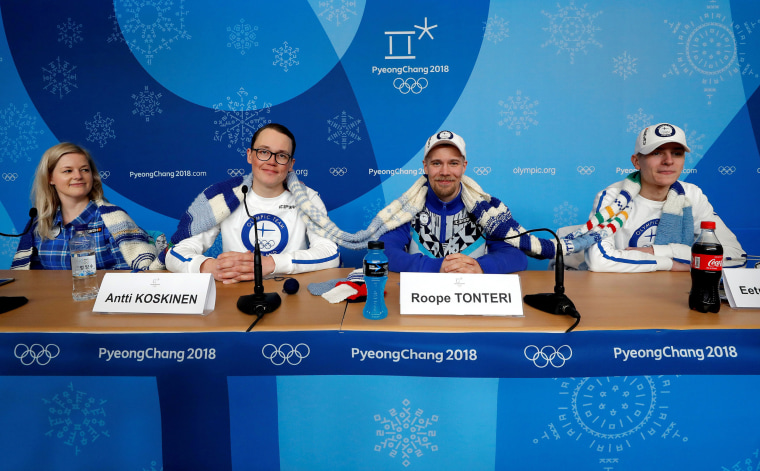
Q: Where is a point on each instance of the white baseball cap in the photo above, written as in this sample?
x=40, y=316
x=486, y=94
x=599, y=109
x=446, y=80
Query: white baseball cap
x=652, y=137
x=445, y=137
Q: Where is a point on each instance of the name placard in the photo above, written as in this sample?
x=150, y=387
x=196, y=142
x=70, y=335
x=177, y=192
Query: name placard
x=156, y=293
x=461, y=294
x=742, y=287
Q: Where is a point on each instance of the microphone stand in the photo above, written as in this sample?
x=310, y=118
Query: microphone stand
x=556, y=302
x=9, y=303
x=258, y=303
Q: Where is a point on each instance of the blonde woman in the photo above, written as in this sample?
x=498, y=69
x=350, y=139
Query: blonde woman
x=68, y=194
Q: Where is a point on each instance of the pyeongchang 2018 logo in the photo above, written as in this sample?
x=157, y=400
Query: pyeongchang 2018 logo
x=36, y=353
x=548, y=355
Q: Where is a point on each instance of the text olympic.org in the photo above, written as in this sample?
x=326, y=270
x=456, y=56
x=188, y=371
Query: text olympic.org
x=411, y=354
x=153, y=353
x=717, y=351
x=534, y=171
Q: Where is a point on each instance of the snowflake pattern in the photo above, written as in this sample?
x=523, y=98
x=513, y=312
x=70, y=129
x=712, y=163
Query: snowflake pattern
x=156, y=24
x=565, y=215
x=518, y=113
x=406, y=433
x=612, y=414
x=337, y=14
x=624, y=65
x=285, y=56
x=240, y=119
x=713, y=49
x=153, y=467
x=100, y=129
x=146, y=104
x=8, y=246
x=76, y=418
x=343, y=130
x=242, y=36
x=59, y=78
x=696, y=145
x=18, y=133
x=572, y=30
x=69, y=33
x=371, y=210
x=750, y=463
x=496, y=29
x=115, y=36
x=638, y=121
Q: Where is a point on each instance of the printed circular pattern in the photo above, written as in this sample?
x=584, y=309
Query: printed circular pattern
x=285, y=352
x=104, y=174
x=583, y=170
x=10, y=177
x=714, y=46
x=410, y=85
x=726, y=170
x=338, y=171
x=482, y=171
x=614, y=407
x=235, y=172
x=273, y=234
x=36, y=353
x=548, y=355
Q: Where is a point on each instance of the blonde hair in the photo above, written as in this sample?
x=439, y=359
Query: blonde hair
x=45, y=196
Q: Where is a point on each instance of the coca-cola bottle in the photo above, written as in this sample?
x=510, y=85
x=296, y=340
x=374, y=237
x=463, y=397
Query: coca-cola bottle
x=706, y=270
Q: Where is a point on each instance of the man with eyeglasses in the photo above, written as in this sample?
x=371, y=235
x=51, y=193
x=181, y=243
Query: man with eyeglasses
x=287, y=245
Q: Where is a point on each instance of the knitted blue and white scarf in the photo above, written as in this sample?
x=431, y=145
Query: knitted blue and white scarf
x=218, y=201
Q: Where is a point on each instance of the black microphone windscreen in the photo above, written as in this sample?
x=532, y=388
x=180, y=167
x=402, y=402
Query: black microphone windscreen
x=244, y=189
x=291, y=286
x=32, y=212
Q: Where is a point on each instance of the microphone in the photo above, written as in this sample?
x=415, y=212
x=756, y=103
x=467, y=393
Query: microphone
x=291, y=286
x=32, y=215
x=556, y=302
x=258, y=303
x=9, y=303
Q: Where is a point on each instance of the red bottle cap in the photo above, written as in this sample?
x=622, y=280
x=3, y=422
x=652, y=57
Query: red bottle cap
x=708, y=225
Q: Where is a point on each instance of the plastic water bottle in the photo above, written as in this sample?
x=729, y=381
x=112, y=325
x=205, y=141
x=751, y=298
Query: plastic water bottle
x=375, y=277
x=706, y=270
x=83, y=265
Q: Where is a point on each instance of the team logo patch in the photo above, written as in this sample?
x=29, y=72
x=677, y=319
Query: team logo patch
x=272, y=232
x=646, y=233
x=424, y=218
x=665, y=130
x=444, y=135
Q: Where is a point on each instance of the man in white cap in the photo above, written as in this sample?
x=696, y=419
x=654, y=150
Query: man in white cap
x=655, y=218
x=444, y=236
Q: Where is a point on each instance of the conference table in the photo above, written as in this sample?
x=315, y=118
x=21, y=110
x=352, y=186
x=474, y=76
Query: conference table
x=642, y=382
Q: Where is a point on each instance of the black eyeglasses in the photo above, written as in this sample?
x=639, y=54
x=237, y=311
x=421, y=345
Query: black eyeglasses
x=265, y=154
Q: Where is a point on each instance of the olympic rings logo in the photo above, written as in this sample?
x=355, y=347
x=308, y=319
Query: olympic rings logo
x=104, y=174
x=482, y=170
x=726, y=170
x=235, y=172
x=548, y=355
x=36, y=353
x=267, y=244
x=338, y=171
x=410, y=85
x=586, y=170
x=10, y=177
x=285, y=352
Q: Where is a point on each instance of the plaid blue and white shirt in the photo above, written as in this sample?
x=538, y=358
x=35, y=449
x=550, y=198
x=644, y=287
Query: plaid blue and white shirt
x=53, y=254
